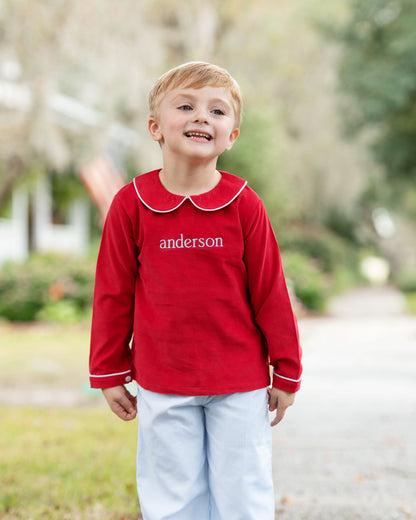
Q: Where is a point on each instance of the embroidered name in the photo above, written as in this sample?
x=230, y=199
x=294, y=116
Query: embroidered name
x=190, y=243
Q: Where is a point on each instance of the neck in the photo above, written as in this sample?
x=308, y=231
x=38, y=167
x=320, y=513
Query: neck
x=188, y=179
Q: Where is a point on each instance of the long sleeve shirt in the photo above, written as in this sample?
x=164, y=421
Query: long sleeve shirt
x=190, y=296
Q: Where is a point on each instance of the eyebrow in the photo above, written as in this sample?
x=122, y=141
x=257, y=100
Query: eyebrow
x=183, y=96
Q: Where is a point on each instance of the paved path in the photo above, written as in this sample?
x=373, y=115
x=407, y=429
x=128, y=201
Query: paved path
x=347, y=449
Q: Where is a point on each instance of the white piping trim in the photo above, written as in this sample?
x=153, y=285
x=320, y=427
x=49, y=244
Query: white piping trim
x=110, y=375
x=153, y=209
x=187, y=198
x=287, y=378
x=224, y=205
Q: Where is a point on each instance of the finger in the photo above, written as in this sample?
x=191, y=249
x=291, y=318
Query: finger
x=129, y=403
x=125, y=406
x=280, y=412
x=124, y=409
x=281, y=408
x=273, y=402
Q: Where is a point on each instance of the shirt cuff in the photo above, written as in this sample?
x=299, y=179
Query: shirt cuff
x=110, y=380
x=286, y=383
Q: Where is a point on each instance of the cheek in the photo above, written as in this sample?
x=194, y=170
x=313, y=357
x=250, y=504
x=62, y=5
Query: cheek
x=175, y=125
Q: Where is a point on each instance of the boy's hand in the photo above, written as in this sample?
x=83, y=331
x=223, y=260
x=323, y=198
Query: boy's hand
x=279, y=400
x=121, y=402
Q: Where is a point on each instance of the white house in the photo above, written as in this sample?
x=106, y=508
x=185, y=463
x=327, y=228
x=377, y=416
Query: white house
x=14, y=231
x=16, y=237
x=30, y=224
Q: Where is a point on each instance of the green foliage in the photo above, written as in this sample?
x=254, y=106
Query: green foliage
x=62, y=311
x=310, y=285
x=255, y=158
x=327, y=250
x=65, y=187
x=406, y=281
x=318, y=263
x=378, y=71
x=344, y=224
x=31, y=289
x=252, y=156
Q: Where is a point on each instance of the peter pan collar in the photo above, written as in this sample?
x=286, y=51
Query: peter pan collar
x=153, y=195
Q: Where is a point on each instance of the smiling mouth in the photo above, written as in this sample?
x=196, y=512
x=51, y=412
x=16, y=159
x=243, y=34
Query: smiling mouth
x=199, y=135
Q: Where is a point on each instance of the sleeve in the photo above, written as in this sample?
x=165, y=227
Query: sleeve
x=113, y=304
x=270, y=300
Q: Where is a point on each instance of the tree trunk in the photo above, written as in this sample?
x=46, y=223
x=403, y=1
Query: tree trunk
x=14, y=170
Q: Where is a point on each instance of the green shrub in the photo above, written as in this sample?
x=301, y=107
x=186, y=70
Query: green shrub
x=328, y=250
x=61, y=311
x=406, y=281
x=337, y=259
x=310, y=285
x=41, y=282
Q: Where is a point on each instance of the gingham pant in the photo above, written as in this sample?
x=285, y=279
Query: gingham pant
x=204, y=458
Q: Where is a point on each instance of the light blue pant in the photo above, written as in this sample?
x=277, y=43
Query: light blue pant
x=204, y=458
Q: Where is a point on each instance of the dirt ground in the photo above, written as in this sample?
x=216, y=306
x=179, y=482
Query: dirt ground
x=347, y=449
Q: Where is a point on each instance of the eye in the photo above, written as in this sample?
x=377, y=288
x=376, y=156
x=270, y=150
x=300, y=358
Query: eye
x=218, y=112
x=185, y=107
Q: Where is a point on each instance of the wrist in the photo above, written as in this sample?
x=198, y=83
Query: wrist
x=284, y=383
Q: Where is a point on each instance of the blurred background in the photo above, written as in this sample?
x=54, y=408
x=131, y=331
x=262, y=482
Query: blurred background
x=328, y=141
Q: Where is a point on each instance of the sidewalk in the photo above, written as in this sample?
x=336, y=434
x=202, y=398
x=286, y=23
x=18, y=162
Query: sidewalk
x=347, y=449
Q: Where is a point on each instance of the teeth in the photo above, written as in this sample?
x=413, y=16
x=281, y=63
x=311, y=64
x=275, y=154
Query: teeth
x=198, y=134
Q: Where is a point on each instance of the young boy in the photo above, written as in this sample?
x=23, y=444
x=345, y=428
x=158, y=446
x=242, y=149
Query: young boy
x=190, y=269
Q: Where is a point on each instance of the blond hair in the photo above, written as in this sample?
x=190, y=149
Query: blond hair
x=196, y=74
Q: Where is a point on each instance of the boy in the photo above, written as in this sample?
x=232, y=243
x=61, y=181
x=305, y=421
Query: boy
x=189, y=266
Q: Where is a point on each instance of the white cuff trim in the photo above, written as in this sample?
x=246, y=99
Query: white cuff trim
x=115, y=374
x=287, y=378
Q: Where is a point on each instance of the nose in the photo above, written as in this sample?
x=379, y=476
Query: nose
x=200, y=115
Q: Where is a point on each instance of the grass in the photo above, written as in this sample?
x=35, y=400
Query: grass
x=66, y=464
x=44, y=353
x=411, y=301
x=60, y=462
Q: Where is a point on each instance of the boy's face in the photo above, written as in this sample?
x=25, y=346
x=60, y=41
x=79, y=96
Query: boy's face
x=195, y=123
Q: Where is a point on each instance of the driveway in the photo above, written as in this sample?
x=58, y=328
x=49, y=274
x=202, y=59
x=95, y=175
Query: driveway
x=347, y=448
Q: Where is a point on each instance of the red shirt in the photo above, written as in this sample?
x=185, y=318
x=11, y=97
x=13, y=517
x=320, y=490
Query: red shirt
x=198, y=283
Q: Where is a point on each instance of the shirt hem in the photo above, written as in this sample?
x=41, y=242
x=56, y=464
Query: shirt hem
x=201, y=391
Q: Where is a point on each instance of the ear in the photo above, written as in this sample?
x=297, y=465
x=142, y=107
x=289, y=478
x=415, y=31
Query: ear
x=154, y=129
x=233, y=138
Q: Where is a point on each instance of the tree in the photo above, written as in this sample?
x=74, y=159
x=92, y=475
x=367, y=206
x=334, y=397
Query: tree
x=106, y=55
x=70, y=73
x=378, y=76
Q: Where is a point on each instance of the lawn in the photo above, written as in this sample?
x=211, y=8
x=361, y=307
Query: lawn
x=66, y=464
x=411, y=302
x=56, y=355
x=59, y=461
